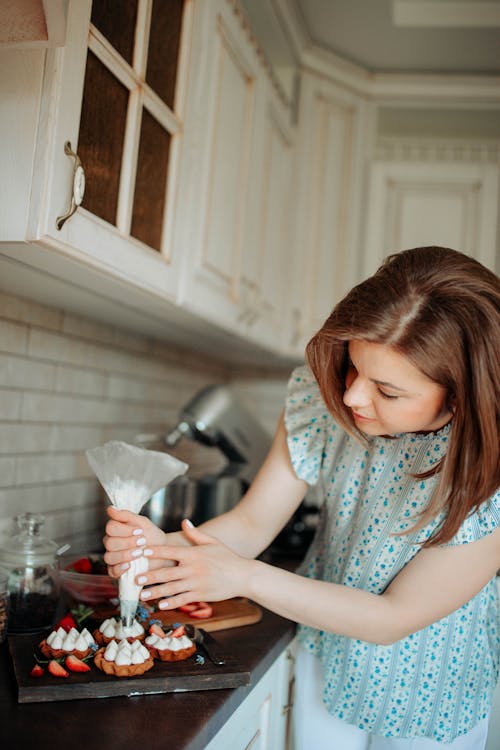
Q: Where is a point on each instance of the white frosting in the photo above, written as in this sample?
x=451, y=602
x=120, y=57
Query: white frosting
x=125, y=653
x=128, y=588
x=112, y=628
x=168, y=643
x=70, y=641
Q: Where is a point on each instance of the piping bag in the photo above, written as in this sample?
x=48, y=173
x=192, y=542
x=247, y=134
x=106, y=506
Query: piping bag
x=130, y=476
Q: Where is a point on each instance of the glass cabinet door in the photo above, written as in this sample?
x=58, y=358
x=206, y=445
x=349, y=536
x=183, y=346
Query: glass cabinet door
x=113, y=102
x=130, y=114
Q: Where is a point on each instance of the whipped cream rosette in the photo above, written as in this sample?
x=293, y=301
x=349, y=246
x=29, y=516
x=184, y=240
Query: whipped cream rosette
x=130, y=476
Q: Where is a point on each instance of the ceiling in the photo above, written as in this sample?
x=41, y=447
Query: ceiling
x=407, y=36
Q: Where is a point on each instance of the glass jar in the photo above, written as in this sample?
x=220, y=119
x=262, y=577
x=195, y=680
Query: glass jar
x=29, y=562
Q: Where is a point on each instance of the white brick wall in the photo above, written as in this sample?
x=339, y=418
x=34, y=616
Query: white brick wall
x=67, y=384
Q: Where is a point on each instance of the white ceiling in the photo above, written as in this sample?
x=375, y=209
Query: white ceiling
x=437, y=36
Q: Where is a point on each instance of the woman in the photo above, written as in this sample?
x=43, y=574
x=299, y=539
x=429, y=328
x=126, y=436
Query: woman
x=396, y=421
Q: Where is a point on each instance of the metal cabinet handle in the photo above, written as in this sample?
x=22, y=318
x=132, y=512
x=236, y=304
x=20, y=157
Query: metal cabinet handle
x=78, y=186
x=291, y=698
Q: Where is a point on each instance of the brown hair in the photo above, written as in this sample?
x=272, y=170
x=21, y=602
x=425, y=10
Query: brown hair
x=441, y=310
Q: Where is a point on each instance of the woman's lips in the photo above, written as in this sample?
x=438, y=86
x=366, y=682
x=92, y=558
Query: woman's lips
x=361, y=418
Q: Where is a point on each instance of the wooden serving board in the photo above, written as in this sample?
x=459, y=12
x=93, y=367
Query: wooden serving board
x=164, y=677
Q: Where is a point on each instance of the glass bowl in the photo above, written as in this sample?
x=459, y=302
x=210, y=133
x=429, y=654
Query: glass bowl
x=84, y=579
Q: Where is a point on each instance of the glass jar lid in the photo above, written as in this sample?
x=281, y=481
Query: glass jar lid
x=28, y=547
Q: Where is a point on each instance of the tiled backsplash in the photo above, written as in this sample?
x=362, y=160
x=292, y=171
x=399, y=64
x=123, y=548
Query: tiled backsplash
x=69, y=383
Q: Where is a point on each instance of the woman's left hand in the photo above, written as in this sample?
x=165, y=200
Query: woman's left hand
x=205, y=571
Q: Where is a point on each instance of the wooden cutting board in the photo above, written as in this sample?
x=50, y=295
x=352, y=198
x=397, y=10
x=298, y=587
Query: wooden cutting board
x=229, y=613
x=163, y=677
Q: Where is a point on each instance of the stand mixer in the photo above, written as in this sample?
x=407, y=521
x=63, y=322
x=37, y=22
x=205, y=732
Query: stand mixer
x=215, y=418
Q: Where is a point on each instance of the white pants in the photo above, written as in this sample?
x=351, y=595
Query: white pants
x=315, y=729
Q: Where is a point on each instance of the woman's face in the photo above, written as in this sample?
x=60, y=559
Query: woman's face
x=388, y=395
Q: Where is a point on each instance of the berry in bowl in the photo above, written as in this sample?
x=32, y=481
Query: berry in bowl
x=86, y=580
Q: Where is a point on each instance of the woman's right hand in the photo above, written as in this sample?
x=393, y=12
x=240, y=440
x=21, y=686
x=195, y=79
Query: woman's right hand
x=127, y=534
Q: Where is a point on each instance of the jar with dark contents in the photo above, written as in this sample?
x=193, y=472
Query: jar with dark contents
x=29, y=562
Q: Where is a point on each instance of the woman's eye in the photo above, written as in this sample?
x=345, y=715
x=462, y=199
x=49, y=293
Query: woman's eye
x=385, y=395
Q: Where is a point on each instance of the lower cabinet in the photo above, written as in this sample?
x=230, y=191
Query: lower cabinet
x=262, y=721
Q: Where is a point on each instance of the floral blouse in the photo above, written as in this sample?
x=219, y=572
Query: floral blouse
x=439, y=681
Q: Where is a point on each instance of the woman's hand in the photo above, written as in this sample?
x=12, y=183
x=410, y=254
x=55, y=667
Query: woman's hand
x=205, y=571
x=127, y=534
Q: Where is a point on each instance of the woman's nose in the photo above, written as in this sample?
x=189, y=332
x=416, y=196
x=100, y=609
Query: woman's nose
x=356, y=393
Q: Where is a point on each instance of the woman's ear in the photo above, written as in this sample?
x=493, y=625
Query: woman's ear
x=451, y=403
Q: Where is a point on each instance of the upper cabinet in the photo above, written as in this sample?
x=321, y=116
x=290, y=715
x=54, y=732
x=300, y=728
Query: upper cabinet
x=421, y=203
x=236, y=183
x=167, y=175
x=109, y=140
x=162, y=168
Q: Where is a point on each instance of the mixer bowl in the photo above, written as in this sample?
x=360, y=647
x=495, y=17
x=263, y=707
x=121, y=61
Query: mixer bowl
x=196, y=499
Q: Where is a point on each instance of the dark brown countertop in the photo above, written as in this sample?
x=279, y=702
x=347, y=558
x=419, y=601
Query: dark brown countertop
x=184, y=721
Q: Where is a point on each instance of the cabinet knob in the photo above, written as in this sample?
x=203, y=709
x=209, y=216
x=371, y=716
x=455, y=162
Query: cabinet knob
x=78, y=186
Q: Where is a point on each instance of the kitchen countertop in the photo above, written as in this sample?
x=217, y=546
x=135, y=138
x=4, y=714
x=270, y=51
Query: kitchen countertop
x=184, y=721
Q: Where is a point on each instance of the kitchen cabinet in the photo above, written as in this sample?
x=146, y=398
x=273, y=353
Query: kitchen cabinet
x=330, y=166
x=262, y=721
x=236, y=182
x=427, y=203
x=181, y=220
x=117, y=231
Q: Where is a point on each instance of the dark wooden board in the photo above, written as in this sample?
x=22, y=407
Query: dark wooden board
x=164, y=677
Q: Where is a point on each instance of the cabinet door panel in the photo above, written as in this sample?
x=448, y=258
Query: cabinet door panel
x=411, y=205
x=227, y=183
x=330, y=148
x=266, y=263
x=104, y=98
x=332, y=165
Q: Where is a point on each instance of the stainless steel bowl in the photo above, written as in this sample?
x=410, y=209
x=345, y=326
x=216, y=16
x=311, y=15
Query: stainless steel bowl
x=196, y=499
x=170, y=504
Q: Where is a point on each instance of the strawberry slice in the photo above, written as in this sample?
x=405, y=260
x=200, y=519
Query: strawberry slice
x=37, y=671
x=187, y=608
x=178, y=631
x=156, y=629
x=75, y=664
x=202, y=612
x=57, y=669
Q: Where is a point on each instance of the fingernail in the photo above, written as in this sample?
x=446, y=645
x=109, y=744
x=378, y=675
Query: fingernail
x=136, y=532
x=124, y=566
x=163, y=605
x=141, y=541
x=142, y=579
x=146, y=595
x=147, y=552
x=137, y=553
x=189, y=523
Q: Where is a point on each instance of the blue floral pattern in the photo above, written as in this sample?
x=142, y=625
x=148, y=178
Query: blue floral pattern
x=439, y=681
